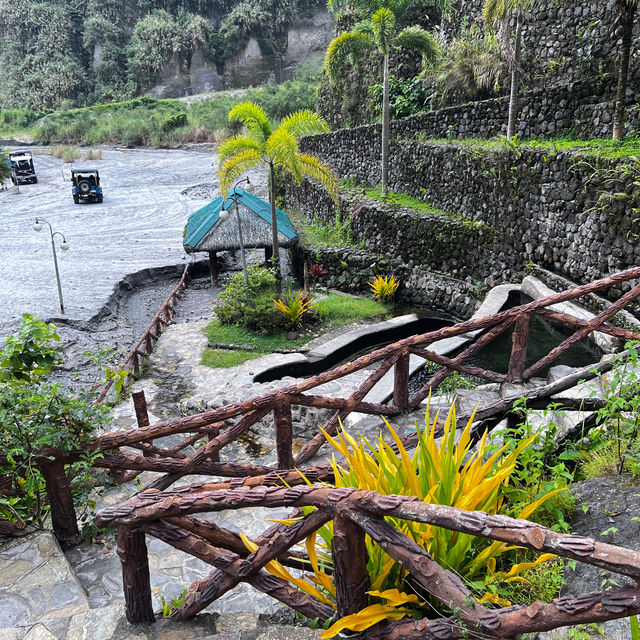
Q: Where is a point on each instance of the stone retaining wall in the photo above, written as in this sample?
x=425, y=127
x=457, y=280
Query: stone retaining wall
x=534, y=206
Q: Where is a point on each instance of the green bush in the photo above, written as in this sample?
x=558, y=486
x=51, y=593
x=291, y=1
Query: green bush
x=174, y=122
x=250, y=305
x=35, y=414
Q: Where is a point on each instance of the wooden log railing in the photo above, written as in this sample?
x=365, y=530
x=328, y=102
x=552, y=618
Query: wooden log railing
x=133, y=362
x=205, y=435
x=355, y=514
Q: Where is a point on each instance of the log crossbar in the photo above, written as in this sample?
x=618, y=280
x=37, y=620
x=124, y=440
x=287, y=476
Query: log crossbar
x=355, y=514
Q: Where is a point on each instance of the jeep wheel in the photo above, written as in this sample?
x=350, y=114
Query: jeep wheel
x=98, y=198
x=35, y=181
x=76, y=199
x=84, y=186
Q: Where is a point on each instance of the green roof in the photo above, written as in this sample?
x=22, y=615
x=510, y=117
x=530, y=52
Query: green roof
x=203, y=222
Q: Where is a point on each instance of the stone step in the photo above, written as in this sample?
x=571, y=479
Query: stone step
x=38, y=589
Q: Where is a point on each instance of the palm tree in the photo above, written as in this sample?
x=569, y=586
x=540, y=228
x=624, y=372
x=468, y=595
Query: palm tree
x=503, y=10
x=276, y=148
x=625, y=15
x=379, y=31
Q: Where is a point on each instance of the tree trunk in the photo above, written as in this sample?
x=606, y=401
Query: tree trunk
x=385, y=126
x=274, y=229
x=515, y=79
x=627, y=14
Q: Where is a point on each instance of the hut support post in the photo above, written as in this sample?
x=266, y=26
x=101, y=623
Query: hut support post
x=213, y=267
x=132, y=551
x=349, y=566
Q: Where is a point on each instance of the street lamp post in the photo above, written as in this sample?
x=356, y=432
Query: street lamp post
x=37, y=226
x=224, y=214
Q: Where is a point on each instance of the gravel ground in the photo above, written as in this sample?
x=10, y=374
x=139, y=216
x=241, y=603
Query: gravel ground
x=148, y=195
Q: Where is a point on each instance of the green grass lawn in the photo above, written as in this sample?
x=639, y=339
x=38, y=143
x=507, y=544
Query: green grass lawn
x=335, y=310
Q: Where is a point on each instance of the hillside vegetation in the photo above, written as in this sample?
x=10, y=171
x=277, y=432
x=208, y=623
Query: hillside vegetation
x=73, y=53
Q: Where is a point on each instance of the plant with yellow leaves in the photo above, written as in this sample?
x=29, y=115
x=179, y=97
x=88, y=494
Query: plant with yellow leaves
x=294, y=308
x=384, y=288
x=447, y=473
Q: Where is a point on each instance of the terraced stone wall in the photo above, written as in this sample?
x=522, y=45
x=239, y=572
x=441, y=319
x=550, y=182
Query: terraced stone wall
x=534, y=206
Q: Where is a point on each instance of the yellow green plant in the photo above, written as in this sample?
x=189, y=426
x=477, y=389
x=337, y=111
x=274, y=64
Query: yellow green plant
x=294, y=308
x=447, y=473
x=384, y=288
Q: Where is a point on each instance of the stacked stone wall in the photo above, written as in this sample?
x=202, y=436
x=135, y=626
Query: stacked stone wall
x=530, y=206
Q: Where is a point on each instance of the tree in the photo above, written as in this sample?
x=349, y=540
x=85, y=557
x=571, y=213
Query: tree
x=625, y=15
x=262, y=145
x=379, y=31
x=502, y=10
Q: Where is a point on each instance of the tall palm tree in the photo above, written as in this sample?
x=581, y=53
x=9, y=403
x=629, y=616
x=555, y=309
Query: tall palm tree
x=625, y=15
x=502, y=10
x=275, y=148
x=379, y=31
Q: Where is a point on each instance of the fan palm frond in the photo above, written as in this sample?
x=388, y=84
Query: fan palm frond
x=254, y=119
x=304, y=123
x=231, y=146
x=383, y=23
x=417, y=39
x=347, y=46
x=317, y=170
x=236, y=165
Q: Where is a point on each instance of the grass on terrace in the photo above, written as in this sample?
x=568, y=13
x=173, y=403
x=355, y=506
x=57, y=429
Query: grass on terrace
x=603, y=147
x=334, y=311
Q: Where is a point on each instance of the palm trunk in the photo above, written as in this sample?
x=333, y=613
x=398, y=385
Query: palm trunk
x=385, y=126
x=515, y=79
x=627, y=14
x=275, y=257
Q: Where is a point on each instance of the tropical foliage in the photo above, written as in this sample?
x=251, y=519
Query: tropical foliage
x=275, y=148
x=440, y=471
x=78, y=53
x=379, y=30
x=503, y=11
x=294, y=307
x=384, y=288
x=35, y=414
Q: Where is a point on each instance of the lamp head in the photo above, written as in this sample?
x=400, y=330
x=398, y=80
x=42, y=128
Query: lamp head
x=249, y=186
x=64, y=246
x=224, y=214
x=37, y=226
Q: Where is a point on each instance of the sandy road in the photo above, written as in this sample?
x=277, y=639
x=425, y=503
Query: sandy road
x=138, y=226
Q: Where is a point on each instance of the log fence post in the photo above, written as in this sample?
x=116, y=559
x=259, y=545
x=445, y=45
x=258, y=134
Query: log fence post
x=63, y=513
x=284, y=435
x=519, y=341
x=132, y=551
x=350, y=573
x=142, y=416
x=401, y=383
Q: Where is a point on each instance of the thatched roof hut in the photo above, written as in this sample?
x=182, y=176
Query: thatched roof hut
x=206, y=232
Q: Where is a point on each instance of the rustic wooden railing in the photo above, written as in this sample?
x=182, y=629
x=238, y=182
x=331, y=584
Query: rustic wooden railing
x=168, y=516
x=128, y=453
x=144, y=346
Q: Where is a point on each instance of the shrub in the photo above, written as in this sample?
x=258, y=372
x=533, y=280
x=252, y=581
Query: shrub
x=174, y=122
x=294, y=308
x=443, y=472
x=250, y=304
x=34, y=415
x=384, y=289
